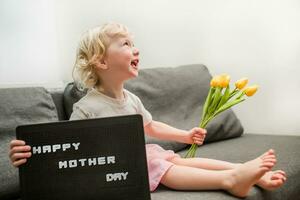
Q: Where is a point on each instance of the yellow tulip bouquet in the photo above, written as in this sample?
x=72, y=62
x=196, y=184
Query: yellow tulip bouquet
x=220, y=98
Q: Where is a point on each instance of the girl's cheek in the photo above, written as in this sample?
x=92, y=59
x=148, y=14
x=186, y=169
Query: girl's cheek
x=126, y=54
x=121, y=55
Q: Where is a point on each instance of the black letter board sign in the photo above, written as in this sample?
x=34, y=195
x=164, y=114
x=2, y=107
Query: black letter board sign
x=100, y=158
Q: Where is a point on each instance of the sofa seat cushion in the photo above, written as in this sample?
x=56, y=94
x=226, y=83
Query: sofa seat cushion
x=242, y=149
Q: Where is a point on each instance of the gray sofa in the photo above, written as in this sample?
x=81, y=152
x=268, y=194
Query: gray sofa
x=173, y=95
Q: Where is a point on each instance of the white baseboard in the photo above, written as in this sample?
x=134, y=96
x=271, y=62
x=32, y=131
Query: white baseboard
x=58, y=84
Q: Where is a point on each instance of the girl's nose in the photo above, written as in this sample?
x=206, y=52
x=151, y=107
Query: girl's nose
x=136, y=52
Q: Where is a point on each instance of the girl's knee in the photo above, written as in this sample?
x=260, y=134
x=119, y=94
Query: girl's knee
x=175, y=177
x=177, y=160
x=181, y=161
x=168, y=179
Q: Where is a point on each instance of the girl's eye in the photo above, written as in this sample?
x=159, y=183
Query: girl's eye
x=126, y=43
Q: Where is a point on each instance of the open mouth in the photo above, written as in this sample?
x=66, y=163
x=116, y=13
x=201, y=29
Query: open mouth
x=134, y=63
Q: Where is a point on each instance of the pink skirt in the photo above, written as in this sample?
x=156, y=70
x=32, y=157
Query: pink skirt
x=158, y=163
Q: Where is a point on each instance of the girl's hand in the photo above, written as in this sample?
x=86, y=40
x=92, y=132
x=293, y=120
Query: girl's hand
x=19, y=152
x=196, y=135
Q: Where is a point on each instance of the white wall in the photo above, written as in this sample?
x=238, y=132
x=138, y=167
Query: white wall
x=28, y=43
x=258, y=39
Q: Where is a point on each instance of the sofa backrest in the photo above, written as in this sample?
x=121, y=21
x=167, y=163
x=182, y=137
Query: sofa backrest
x=58, y=99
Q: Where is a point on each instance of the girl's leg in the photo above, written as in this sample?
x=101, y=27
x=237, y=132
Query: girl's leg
x=189, y=178
x=237, y=181
x=271, y=180
x=212, y=164
x=205, y=163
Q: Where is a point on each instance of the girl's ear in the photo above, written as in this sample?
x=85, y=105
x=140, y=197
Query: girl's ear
x=101, y=64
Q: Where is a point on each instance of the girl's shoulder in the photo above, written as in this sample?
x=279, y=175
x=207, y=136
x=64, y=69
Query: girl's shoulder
x=88, y=102
x=133, y=96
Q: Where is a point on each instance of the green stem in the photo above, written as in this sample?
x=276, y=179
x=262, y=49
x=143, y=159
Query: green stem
x=192, y=150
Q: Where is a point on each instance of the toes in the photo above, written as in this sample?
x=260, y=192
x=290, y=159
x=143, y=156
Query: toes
x=277, y=176
x=267, y=165
x=284, y=178
x=280, y=172
x=264, y=154
x=277, y=183
x=270, y=160
x=271, y=151
x=268, y=156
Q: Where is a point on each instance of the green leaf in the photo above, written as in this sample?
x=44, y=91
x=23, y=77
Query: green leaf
x=241, y=95
x=216, y=99
x=224, y=97
x=233, y=92
x=207, y=102
x=228, y=105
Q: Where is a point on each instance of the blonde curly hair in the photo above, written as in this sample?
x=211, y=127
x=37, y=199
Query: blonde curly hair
x=91, y=49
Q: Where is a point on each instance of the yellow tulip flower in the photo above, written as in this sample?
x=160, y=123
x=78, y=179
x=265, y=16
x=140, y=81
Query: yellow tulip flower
x=220, y=81
x=214, y=81
x=240, y=84
x=251, y=90
x=224, y=80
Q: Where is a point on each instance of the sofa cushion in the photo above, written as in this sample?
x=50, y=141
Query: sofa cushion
x=57, y=96
x=242, y=149
x=174, y=95
x=19, y=106
x=71, y=95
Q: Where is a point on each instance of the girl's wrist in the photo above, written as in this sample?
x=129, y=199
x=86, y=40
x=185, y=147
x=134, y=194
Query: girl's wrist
x=185, y=137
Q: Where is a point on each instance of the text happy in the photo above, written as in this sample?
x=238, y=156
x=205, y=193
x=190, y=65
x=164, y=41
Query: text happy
x=54, y=148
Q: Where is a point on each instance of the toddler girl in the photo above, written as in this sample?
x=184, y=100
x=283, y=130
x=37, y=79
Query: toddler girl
x=106, y=58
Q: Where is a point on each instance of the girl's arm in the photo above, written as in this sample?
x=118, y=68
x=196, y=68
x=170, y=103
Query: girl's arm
x=165, y=132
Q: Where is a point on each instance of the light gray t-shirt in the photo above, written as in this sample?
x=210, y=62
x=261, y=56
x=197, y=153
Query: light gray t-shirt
x=95, y=104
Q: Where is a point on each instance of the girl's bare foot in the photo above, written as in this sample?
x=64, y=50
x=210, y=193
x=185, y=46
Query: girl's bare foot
x=272, y=180
x=242, y=178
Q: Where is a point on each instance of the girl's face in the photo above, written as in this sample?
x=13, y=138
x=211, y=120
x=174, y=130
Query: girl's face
x=122, y=58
